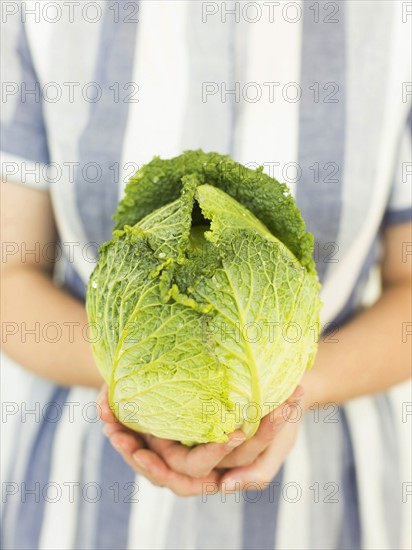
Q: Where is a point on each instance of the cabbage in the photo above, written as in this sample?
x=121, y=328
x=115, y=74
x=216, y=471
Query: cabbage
x=205, y=302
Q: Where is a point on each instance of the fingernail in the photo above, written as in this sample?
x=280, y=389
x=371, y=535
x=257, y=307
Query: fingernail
x=300, y=392
x=116, y=446
x=106, y=431
x=235, y=442
x=278, y=420
x=100, y=395
x=140, y=463
x=230, y=484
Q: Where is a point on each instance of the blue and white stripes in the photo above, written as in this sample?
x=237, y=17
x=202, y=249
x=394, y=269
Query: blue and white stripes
x=353, y=163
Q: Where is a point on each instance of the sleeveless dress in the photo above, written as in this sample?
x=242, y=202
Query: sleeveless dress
x=318, y=94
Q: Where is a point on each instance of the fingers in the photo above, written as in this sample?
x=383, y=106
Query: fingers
x=194, y=470
x=257, y=475
x=149, y=464
x=252, y=448
x=196, y=461
x=261, y=472
x=110, y=429
x=123, y=439
x=158, y=472
x=103, y=407
x=126, y=443
x=131, y=446
x=268, y=428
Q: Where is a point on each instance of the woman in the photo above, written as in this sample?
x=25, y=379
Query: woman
x=315, y=93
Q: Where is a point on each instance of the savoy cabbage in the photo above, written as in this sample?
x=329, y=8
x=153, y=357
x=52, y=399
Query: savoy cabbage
x=205, y=300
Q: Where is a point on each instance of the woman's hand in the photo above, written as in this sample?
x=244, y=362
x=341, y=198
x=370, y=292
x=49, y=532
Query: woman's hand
x=260, y=470
x=259, y=458
x=166, y=463
x=227, y=466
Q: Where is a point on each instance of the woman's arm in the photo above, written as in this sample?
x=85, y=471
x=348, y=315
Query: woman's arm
x=373, y=351
x=30, y=300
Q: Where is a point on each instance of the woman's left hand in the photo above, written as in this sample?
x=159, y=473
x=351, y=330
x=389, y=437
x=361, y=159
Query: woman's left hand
x=255, y=470
x=256, y=460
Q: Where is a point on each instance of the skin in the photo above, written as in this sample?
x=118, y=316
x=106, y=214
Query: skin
x=354, y=366
x=29, y=295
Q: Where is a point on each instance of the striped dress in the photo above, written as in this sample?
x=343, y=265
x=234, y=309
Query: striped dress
x=319, y=94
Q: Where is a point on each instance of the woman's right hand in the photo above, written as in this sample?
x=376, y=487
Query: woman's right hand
x=185, y=470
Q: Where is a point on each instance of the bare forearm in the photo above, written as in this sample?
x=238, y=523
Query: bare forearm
x=371, y=355
x=58, y=346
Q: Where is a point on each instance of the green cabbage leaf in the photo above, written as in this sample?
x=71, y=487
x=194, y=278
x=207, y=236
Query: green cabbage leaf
x=204, y=305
